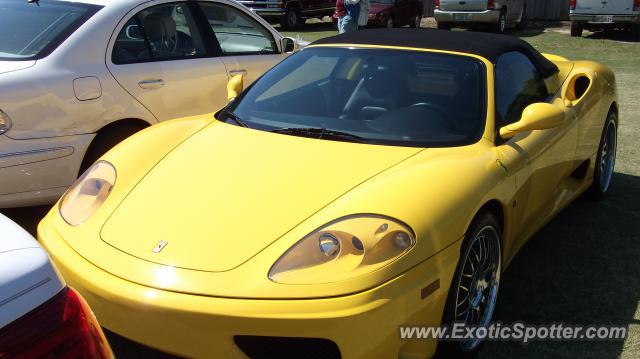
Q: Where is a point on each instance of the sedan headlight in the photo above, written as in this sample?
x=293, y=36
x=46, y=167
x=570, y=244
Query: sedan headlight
x=5, y=122
x=88, y=193
x=344, y=249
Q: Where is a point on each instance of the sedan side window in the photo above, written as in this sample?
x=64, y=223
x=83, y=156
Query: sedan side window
x=238, y=33
x=517, y=85
x=163, y=32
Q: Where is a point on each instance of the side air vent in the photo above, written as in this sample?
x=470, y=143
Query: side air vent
x=578, y=86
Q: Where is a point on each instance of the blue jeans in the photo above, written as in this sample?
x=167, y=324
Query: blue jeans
x=349, y=22
x=346, y=23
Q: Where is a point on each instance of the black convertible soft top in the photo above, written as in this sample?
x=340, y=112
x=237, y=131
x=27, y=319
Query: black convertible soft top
x=489, y=46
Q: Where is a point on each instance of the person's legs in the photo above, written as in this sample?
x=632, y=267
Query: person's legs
x=353, y=11
x=347, y=23
x=341, y=24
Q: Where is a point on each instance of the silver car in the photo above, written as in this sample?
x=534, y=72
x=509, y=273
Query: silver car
x=605, y=14
x=500, y=14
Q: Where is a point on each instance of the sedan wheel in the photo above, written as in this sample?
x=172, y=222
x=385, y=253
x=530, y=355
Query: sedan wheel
x=417, y=22
x=474, y=290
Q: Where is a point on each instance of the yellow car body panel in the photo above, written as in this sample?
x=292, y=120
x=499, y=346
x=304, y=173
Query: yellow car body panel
x=180, y=303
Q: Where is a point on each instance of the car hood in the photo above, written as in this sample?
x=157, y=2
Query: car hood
x=378, y=8
x=10, y=66
x=228, y=192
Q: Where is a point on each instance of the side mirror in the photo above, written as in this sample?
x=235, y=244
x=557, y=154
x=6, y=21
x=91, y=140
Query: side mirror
x=234, y=87
x=537, y=116
x=289, y=45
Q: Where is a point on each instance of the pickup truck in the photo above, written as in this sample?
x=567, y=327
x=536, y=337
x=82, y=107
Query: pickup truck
x=604, y=14
x=291, y=13
x=499, y=14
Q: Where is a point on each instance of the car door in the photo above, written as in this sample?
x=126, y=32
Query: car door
x=540, y=160
x=247, y=46
x=161, y=58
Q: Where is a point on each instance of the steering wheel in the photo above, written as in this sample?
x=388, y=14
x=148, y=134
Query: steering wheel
x=445, y=118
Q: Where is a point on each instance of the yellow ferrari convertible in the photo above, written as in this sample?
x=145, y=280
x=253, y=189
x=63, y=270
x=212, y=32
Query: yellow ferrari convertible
x=373, y=180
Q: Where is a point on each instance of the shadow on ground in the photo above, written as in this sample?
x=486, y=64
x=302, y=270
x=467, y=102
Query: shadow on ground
x=582, y=268
x=27, y=217
x=625, y=36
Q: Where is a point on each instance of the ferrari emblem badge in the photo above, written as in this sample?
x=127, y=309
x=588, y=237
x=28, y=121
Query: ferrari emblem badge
x=160, y=246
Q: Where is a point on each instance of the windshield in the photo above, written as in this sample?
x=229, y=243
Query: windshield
x=32, y=31
x=389, y=97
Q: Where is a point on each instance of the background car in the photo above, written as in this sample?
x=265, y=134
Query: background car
x=78, y=77
x=39, y=314
x=374, y=179
x=393, y=13
x=608, y=14
x=291, y=13
x=499, y=14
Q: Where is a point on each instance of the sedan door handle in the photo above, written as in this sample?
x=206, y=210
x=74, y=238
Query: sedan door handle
x=151, y=84
x=238, y=72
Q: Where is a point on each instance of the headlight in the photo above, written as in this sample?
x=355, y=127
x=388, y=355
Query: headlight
x=5, y=122
x=88, y=193
x=343, y=249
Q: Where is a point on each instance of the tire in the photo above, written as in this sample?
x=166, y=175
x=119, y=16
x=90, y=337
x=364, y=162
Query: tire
x=444, y=25
x=576, y=29
x=390, y=23
x=106, y=139
x=416, y=22
x=291, y=18
x=520, y=25
x=501, y=26
x=483, y=238
x=635, y=32
x=606, y=159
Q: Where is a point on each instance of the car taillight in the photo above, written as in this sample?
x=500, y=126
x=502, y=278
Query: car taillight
x=62, y=327
x=491, y=5
x=636, y=5
x=436, y=4
x=572, y=4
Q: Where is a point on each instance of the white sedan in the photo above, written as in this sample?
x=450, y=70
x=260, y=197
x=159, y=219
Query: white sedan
x=39, y=314
x=78, y=77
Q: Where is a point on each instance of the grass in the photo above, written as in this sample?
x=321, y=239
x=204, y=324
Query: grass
x=583, y=267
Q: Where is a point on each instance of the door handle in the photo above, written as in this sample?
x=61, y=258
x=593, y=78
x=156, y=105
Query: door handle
x=151, y=84
x=238, y=72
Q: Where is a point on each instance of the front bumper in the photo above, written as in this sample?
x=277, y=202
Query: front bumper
x=362, y=325
x=488, y=16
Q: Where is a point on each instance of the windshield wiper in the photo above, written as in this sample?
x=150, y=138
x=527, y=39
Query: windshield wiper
x=320, y=133
x=226, y=114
